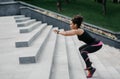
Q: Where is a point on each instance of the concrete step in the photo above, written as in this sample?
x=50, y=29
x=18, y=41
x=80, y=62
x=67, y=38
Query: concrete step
x=110, y=54
x=117, y=67
x=110, y=62
x=26, y=23
x=32, y=53
x=44, y=70
x=76, y=68
x=60, y=68
x=113, y=51
x=26, y=39
x=30, y=27
x=110, y=66
x=22, y=19
x=101, y=68
x=18, y=16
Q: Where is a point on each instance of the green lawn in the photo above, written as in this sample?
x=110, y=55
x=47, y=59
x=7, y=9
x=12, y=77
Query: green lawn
x=90, y=10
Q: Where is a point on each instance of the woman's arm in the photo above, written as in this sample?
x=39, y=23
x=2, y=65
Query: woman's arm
x=69, y=32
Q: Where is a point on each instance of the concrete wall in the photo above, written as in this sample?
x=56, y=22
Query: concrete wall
x=5, y=0
x=9, y=8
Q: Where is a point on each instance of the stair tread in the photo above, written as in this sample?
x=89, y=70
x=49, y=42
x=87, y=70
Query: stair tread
x=60, y=66
x=110, y=62
x=18, y=16
x=32, y=50
x=75, y=65
x=27, y=37
x=30, y=25
x=103, y=72
x=22, y=18
x=25, y=22
x=46, y=59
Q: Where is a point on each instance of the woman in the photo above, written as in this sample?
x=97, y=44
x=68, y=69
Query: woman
x=91, y=44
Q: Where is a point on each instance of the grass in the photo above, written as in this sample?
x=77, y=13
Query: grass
x=90, y=10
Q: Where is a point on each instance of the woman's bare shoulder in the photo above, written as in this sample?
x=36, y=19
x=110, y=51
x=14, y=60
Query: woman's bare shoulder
x=80, y=31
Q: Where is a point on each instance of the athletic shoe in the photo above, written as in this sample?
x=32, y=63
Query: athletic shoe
x=91, y=72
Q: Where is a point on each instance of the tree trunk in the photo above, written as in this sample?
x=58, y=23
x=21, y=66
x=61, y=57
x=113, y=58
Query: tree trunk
x=104, y=7
x=103, y=2
x=59, y=5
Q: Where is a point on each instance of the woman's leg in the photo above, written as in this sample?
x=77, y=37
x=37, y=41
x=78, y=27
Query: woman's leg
x=84, y=50
x=84, y=54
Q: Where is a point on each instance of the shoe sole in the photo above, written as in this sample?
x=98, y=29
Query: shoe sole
x=93, y=71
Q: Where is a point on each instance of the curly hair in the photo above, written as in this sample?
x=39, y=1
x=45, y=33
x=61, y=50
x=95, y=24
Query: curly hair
x=77, y=20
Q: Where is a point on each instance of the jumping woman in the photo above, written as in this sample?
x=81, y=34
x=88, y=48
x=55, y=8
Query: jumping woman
x=91, y=44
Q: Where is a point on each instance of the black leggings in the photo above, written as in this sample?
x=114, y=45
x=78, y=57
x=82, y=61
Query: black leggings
x=85, y=49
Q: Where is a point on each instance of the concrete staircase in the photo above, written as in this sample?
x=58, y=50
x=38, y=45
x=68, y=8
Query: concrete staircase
x=36, y=52
x=37, y=38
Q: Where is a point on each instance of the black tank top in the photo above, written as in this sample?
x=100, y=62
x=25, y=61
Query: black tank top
x=87, y=38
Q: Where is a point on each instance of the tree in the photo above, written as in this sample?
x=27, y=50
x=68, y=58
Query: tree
x=104, y=6
x=59, y=5
x=103, y=2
